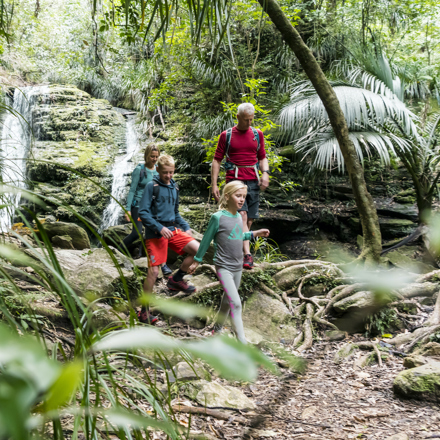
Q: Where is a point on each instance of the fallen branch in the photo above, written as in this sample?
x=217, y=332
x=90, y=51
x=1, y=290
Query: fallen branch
x=208, y=412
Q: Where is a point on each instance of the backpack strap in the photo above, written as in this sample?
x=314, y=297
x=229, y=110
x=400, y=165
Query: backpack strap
x=142, y=174
x=228, y=142
x=257, y=138
x=156, y=190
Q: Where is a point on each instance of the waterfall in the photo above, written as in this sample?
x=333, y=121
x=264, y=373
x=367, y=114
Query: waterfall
x=121, y=170
x=16, y=139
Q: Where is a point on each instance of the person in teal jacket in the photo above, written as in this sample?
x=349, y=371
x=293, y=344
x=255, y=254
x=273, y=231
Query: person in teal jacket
x=142, y=174
x=226, y=229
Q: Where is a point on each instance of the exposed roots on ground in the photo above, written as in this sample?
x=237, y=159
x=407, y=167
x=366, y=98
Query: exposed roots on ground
x=293, y=277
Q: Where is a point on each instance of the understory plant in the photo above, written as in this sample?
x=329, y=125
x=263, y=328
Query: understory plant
x=105, y=379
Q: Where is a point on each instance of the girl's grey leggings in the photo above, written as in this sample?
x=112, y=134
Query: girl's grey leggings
x=231, y=303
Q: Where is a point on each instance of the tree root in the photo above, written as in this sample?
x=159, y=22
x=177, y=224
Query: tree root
x=324, y=322
x=346, y=291
x=422, y=338
x=210, y=267
x=298, y=339
x=198, y=292
x=335, y=290
x=374, y=347
x=434, y=319
x=308, y=330
x=270, y=292
x=288, y=302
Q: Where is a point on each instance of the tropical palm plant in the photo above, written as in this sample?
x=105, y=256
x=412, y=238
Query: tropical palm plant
x=379, y=122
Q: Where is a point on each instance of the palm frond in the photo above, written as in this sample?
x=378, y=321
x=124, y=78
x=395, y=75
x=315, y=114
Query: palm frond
x=323, y=146
x=360, y=106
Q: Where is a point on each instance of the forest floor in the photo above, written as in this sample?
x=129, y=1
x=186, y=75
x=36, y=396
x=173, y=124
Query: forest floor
x=327, y=401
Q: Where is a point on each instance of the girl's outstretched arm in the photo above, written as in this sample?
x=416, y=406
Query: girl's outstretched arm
x=261, y=233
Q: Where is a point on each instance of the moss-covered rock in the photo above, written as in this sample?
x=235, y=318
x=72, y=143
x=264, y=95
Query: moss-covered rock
x=422, y=383
x=277, y=322
x=79, y=237
x=76, y=140
x=389, y=227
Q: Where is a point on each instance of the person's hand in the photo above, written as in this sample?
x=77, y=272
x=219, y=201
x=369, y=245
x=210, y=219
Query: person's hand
x=264, y=181
x=262, y=233
x=128, y=216
x=193, y=267
x=189, y=232
x=165, y=232
x=216, y=193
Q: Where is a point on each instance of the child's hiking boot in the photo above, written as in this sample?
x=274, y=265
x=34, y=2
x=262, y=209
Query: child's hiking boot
x=145, y=317
x=180, y=286
x=248, y=262
x=166, y=271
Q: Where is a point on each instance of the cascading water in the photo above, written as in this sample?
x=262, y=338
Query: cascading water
x=121, y=170
x=14, y=148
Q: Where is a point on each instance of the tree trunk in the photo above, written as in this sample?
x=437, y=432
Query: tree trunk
x=364, y=201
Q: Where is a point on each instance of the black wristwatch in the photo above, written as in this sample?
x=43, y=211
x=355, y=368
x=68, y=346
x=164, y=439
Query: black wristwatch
x=265, y=171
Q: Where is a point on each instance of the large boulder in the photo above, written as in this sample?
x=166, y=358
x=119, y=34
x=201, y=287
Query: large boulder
x=94, y=273
x=401, y=258
x=422, y=383
x=212, y=395
x=269, y=318
x=80, y=239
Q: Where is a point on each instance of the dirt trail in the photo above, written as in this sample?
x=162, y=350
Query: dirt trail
x=331, y=401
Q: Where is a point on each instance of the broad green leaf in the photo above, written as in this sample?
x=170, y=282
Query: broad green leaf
x=136, y=338
x=63, y=388
x=123, y=418
x=176, y=308
x=231, y=358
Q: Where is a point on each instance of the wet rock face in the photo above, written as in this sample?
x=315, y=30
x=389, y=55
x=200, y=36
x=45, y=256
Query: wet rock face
x=73, y=130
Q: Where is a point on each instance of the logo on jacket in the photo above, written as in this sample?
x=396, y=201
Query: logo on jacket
x=236, y=233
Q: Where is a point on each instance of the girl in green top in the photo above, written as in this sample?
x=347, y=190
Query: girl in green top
x=141, y=175
x=226, y=229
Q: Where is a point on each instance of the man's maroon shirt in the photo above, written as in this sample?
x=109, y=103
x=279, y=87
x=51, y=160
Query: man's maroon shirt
x=242, y=151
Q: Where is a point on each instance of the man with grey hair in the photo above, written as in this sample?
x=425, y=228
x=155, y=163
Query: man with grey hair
x=243, y=148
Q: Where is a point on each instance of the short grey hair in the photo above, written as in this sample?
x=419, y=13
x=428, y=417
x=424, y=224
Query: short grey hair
x=246, y=107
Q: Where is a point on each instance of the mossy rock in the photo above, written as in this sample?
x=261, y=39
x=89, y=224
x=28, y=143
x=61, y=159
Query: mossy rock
x=422, y=383
x=269, y=317
x=78, y=235
x=76, y=139
x=389, y=227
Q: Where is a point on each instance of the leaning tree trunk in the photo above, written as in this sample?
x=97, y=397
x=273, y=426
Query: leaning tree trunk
x=364, y=201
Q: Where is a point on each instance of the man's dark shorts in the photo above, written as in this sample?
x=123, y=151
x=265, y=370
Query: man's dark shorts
x=252, y=202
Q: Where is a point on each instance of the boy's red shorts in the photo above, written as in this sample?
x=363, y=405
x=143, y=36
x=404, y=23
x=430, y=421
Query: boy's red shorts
x=157, y=248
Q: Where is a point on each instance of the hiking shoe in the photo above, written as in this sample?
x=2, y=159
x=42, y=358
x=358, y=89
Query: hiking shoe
x=166, y=271
x=145, y=317
x=248, y=262
x=180, y=286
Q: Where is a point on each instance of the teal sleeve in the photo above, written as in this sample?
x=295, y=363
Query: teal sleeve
x=135, y=176
x=247, y=236
x=207, y=238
